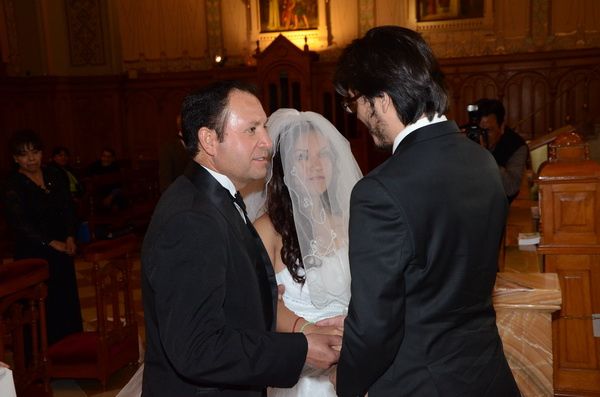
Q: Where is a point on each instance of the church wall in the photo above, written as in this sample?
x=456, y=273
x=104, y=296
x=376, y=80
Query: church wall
x=113, y=36
x=121, y=85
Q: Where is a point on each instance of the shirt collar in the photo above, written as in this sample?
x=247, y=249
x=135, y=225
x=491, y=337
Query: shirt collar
x=223, y=181
x=422, y=122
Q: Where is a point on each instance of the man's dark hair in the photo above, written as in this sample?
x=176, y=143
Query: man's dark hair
x=109, y=150
x=486, y=106
x=396, y=61
x=60, y=149
x=208, y=107
x=23, y=140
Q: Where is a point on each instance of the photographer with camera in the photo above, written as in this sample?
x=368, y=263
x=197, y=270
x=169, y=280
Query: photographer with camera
x=487, y=127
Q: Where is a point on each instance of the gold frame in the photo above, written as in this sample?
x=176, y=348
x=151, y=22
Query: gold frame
x=486, y=22
x=315, y=38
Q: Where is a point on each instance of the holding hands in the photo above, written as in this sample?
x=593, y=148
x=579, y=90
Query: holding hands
x=68, y=246
x=324, y=341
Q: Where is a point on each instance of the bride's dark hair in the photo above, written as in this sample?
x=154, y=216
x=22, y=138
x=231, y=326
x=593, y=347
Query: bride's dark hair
x=280, y=210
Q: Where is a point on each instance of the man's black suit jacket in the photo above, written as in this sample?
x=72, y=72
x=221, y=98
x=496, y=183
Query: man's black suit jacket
x=425, y=229
x=208, y=331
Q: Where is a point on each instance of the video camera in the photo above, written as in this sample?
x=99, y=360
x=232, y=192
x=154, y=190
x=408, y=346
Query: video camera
x=472, y=129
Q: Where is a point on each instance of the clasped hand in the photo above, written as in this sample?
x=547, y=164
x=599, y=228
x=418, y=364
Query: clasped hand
x=324, y=342
x=68, y=246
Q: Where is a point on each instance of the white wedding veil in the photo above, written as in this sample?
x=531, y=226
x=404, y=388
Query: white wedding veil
x=319, y=173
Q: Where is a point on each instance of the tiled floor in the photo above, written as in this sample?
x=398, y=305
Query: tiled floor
x=516, y=260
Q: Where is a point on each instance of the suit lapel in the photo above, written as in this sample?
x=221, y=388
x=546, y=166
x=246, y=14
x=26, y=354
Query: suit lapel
x=221, y=200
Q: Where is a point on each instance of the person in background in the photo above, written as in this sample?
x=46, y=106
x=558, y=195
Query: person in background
x=110, y=194
x=60, y=158
x=508, y=148
x=40, y=212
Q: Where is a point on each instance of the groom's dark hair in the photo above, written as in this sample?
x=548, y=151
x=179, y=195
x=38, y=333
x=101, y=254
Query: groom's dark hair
x=396, y=61
x=207, y=107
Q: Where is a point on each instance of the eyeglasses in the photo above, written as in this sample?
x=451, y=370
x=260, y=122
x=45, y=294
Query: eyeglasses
x=349, y=103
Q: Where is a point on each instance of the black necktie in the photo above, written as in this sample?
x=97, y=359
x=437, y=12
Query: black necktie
x=265, y=287
x=240, y=202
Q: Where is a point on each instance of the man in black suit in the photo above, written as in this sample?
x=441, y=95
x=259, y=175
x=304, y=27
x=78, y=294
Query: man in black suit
x=208, y=287
x=425, y=228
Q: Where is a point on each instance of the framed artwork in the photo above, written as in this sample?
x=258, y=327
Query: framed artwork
x=288, y=15
x=437, y=10
x=428, y=15
x=300, y=21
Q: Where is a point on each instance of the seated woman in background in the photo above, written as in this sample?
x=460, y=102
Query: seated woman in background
x=60, y=159
x=110, y=193
x=40, y=211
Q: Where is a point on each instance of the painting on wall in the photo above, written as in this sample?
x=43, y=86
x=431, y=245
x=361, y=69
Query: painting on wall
x=439, y=10
x=288, y=15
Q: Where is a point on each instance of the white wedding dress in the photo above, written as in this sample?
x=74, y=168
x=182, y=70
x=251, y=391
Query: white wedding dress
x=315, y=382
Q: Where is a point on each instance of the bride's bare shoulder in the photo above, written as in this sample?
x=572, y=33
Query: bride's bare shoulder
x=265, y=229
x=270, y=238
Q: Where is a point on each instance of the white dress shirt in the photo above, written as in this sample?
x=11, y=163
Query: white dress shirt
x=422, y=122
x=227, y=184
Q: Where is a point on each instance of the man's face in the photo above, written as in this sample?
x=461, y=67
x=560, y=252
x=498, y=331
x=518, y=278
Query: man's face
x=61, y=158
x=370, y=116
x=495, y=131
x=245, y=152
x=106, y=158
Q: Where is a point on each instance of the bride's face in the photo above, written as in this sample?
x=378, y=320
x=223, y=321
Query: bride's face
x=313, y=160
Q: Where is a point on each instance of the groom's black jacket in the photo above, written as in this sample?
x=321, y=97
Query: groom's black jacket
x=208, y=331
x=425, y=229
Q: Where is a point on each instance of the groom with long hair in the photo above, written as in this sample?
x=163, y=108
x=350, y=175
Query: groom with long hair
x=425, y=228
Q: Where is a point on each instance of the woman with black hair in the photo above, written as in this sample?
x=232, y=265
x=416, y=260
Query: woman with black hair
x=305, y=228
x=40, y=212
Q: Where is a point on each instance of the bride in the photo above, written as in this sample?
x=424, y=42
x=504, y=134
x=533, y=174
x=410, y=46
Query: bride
x=304, y=228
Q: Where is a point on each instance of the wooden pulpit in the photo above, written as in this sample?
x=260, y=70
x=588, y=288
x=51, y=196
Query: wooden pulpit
x=569, y=201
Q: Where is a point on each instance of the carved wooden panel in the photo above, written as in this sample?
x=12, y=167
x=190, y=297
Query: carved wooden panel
x=87, y=113
x=471, y=89
x=86, y=38
x=526, y=95
x=95, y=122
x=576, y=350
x=574, y=209
x=142, y=131
x=576, y=98
x=284, y=76
x=569, y=213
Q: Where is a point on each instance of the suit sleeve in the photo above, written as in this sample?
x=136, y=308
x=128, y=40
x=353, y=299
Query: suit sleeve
x=380, y=249
x=188, y=281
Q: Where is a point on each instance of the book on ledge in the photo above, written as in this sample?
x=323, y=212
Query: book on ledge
x=529, y=238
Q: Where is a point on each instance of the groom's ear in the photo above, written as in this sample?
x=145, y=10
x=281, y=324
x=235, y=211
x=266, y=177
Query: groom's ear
x=386, y=102
x=208, y=140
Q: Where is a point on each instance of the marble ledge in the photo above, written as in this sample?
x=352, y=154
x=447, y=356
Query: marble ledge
x=527, y=291
x=524, y=303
